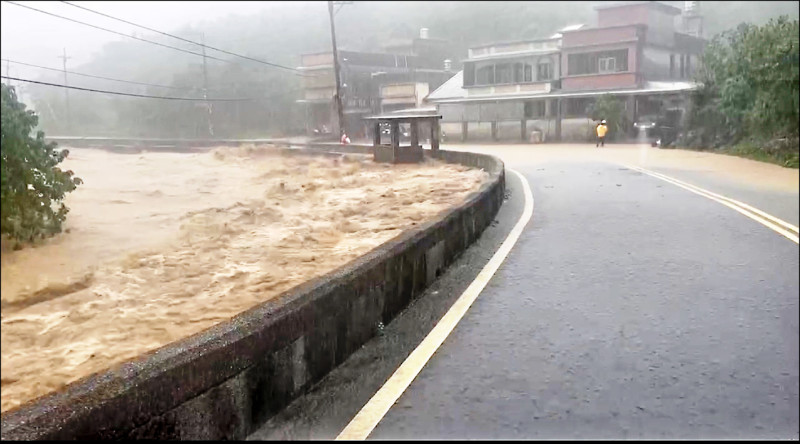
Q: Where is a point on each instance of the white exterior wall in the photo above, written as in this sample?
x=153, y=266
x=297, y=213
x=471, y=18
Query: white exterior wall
x=655, y=63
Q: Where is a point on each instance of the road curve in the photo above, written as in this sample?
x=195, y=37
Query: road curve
x=629, y=308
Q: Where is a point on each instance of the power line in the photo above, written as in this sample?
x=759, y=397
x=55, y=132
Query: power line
x=99, y=77
x=115, y=32
x=181, y=38
x=154, y=97
x=124, y=94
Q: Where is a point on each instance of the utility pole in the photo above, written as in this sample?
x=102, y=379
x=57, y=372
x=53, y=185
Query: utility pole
x=205, y=87
x=66, y=90
x=339, y=110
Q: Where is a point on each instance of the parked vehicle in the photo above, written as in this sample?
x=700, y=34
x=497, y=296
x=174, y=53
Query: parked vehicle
x=660, y=130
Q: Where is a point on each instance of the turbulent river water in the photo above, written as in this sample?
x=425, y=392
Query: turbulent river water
x=160, y=246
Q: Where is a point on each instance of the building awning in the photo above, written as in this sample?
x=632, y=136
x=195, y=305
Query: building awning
x=357, y=110
x=453, y=91
x=405, y=115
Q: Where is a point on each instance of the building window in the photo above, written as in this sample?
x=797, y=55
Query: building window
x=672, y=66
x=528, y=73
x=607, y=64
x=683, y=66
x=688, y=66
x=485, y=75
x=535, y=109
x=503, y=74
x=544, y=71
x=597, y=62
x=578, y=107
x=518, y=72
x=469, y=74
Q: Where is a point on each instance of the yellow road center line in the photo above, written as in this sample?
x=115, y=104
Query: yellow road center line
x=753, y=213
x=376, y=408
x=733, y=201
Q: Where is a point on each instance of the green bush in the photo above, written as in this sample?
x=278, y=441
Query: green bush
x=613, y=111
x=749, y=97
x=30, y=182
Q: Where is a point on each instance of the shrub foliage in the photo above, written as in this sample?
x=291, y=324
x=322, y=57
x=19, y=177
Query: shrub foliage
x=32, y=187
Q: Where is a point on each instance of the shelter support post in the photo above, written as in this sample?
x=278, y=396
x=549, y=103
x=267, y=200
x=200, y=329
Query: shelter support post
x=414, y=133
x=558, y=119
x=376, y=133
x=395, y=125
x=523, y=125
x=436, y=133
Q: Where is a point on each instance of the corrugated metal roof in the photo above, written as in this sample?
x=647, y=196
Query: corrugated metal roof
x=572, y=27
x=657, y=4
x=451, y=89
x=500, y=55
x=423, y=109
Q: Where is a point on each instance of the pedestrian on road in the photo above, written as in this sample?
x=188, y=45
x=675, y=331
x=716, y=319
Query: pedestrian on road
x=601, y=129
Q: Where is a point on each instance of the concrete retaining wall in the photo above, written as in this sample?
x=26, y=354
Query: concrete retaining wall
x=226, y=381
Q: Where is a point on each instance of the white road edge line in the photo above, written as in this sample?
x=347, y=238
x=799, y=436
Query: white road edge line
x=755, y=214
x=376, y=408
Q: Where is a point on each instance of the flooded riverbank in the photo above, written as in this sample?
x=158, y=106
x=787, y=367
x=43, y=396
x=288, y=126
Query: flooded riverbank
x=162, y=246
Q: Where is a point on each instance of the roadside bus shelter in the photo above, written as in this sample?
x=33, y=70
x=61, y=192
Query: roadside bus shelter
x=394, y=152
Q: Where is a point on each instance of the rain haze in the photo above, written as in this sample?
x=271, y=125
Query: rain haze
x=316, y=220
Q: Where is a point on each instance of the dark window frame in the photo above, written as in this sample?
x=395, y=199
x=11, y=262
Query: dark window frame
x=486, y=72
x=549, y=65
x=535, y=109
x=504, y=70
x=588, y=63
x=672, y=66
x=528, y=74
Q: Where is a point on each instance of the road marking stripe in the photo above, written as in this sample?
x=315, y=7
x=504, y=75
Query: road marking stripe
x=376, y=408
x=733, y=201
x=753, y=213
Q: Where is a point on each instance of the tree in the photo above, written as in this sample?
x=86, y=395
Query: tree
x=613, y=111
x=30, y=182
x=750, y=87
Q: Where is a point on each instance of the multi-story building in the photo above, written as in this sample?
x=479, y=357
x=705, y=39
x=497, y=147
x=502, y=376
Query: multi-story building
x=637, y=52
x=371, y=82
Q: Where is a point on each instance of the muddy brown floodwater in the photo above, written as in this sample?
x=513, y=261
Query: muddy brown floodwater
x=162, y=246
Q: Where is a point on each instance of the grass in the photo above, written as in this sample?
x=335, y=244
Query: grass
x=748, y=150
x=787, y=158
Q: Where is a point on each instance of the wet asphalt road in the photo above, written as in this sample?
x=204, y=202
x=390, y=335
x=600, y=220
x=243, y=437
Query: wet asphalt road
x=629, y=308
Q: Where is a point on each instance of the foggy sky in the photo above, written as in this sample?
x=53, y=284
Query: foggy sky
x=32, y=37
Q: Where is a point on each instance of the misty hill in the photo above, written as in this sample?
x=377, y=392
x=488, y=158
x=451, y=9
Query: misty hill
x=286, y=30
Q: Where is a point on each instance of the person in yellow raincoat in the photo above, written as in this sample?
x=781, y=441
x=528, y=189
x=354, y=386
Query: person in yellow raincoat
x=601, y=129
